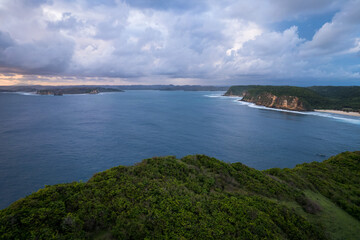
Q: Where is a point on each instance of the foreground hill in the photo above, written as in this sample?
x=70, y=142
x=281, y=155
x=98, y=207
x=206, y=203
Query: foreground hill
x=196, y=197
x=300, y=98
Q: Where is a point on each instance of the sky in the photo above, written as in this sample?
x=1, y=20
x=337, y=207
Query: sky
x=207, y=42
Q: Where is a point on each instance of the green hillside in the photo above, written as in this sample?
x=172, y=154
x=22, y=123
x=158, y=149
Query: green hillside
x=340, y=97
x=238, y=90
x=316, y=97
x=196, y=197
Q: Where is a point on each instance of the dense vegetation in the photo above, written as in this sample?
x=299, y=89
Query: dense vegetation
x=196, y=197
x=340, y=97
x=238, y=90
x=316, y=97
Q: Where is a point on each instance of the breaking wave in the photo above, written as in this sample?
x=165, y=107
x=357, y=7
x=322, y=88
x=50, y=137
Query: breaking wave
x=334, y=116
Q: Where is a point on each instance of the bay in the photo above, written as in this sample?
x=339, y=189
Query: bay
x=48, y=140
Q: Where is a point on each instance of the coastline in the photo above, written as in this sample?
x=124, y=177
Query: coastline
x=355, y=114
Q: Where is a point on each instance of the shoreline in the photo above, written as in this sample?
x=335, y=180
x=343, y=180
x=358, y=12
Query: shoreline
x=355, y=114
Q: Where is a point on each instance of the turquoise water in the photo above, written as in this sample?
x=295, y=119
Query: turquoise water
x=47, y=140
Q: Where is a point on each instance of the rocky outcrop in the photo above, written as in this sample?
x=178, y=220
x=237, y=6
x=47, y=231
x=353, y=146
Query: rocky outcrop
x=95, y=91
x=46, y=92
x=272, y=101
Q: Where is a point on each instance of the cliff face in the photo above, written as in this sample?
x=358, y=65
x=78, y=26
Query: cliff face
x=282, y=102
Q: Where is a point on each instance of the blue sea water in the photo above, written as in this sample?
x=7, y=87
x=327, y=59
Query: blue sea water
x=48, y=140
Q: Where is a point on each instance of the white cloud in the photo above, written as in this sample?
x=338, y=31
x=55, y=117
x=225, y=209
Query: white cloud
x=206, y=40
x=267, y=12
x=339, y=35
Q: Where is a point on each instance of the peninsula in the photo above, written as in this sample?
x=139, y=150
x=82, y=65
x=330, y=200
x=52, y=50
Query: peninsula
x=196, y=197
x=325, y=98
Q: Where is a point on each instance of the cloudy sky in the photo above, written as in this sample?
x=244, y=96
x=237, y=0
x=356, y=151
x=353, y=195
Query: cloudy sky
x=298, y=42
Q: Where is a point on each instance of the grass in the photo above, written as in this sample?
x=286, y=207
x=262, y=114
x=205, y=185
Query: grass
x=337, y=223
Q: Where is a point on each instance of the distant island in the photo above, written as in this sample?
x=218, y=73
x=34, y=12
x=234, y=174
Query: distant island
x=196, y=197
x=324, y=98
x=76, y=90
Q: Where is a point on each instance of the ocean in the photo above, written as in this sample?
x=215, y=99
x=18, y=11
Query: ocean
x=57, y=139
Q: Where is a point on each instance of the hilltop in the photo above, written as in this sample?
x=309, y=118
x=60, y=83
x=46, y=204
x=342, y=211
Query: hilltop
x=300, y=98
x=196, y=197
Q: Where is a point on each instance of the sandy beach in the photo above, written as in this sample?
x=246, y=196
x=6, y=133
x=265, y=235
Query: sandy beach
x=356, y=114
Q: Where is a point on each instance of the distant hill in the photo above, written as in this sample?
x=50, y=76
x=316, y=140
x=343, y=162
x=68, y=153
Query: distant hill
x=239, y=90
x=76, y=90
x=193, y=88
x=340, y=97
x=35, y=88
x=300, y=98
x=196, y=197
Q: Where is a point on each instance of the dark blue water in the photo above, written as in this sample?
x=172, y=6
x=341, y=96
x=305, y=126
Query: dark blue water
x=47, y=140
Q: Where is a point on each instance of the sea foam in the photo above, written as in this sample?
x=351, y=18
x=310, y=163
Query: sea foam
x=334, y=116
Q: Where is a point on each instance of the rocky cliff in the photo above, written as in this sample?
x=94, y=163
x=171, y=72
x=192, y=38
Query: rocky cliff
x=273, y=101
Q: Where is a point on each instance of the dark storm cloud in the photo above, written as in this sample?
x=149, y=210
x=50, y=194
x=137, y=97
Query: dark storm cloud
x=47, y=56
x=5, y=40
